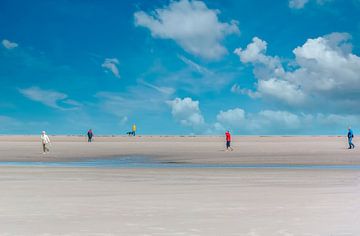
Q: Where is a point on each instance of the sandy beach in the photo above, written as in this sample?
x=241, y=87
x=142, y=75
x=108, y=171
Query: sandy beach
x=317, y=150
x=181, y=201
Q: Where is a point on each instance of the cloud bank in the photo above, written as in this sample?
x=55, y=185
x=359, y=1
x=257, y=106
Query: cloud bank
x=281, y=122
x=325, y=69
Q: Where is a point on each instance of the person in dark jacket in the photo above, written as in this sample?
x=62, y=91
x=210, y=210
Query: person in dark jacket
x=90, y=135
x=350, y=137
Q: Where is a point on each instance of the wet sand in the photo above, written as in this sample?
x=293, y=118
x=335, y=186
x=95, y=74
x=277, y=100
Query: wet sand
x=186, y=201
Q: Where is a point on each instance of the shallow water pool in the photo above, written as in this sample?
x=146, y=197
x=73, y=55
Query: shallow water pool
x=144, y=162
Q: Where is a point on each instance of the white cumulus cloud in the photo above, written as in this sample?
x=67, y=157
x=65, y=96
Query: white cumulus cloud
x=282, y=90
x=186, y=112
x=233, y=117
x=191, y=24
x=325, y=69
x=111, y=64
x=255, y=53
x=8, y=44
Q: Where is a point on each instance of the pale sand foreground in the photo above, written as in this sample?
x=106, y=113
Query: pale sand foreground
x=70, y=201
x=88, y=201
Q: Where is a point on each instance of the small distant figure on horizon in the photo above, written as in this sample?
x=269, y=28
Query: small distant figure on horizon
x=228, y=141
x=90, y=135
x=133, y=129
x=45, y=142
x=350, y=137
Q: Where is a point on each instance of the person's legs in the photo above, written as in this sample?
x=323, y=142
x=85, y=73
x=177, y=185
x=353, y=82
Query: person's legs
x=45, y=148
x=230, y=146
x=227, y=145
x=133, y=133
x=351, y=145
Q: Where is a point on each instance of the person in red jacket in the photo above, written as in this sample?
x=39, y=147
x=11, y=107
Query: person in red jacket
x=228, y=141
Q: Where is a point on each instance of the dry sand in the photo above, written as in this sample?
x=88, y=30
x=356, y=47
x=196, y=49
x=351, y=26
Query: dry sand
x=95, y=201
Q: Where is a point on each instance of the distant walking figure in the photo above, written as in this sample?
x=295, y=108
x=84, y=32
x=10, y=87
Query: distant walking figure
x=350, y=136
x=133, y=129
x=90, y=135
x=228, y=141
x=45, y=142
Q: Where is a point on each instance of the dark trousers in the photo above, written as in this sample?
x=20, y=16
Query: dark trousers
x=351, y=145
x=45, y=148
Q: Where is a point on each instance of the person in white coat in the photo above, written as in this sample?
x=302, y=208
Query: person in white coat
x=45, y=142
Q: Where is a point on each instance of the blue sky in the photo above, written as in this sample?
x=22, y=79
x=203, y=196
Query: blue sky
x=180, y=67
